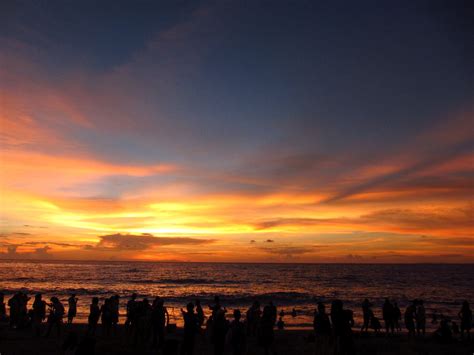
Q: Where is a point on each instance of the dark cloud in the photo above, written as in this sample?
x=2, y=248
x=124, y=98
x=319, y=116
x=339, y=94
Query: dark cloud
x=288, y=251
x=144, y=241
x=252, y=241
x=269, y=241
x=437, y=158
x=409, y=219
x=38, y=253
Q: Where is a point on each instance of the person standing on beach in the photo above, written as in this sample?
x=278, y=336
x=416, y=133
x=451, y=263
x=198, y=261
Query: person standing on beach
x=199, y=313
x=342, y=321
x=397, y=316
x=131, y=312
x=106, y=317
x=191, y=327
x=409, y=318
x=38, y=314
x=94, y=315
x=159, y=319
x=14, y=305
x=114, y=312
x=266, y=335
x=237, y=334
x=387, y=314
x=55, y=317
x=465, y=314
x=420, y=317
x=367, y=315
x=253, y=318
x=322, y=329
x=72, y=308
x=219, y=331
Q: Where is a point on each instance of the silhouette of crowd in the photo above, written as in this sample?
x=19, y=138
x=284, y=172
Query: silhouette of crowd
x=148, y=323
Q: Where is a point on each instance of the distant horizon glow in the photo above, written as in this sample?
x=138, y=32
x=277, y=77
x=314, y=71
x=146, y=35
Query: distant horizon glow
x=232, y=133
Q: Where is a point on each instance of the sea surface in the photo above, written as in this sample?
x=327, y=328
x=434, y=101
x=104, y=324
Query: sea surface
x=299, y=286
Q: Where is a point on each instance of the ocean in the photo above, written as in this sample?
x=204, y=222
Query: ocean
x=299, y=286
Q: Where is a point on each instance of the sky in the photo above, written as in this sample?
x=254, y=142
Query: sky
x=249, y=131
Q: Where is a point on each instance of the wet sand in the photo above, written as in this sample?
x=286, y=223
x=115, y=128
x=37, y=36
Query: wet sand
x=22, y=342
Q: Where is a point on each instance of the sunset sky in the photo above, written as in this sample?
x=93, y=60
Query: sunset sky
x=270, y=131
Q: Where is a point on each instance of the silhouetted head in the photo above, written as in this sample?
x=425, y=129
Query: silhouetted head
x=38, y=297
x=197, y=302
x=190, y=307
x=95, y=300
x=73, y=295
x=465, y=305
x=237, y=314
x=217, y=300
x=321, y=307
x=134, y=296
x=54, y=300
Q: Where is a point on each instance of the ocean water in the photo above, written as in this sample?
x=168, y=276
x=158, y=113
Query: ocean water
x=299, y=286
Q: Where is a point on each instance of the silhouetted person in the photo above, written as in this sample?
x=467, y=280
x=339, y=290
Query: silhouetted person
x=14, y=305
x=3, y=309
x=38, y=314
x=465, y=314
x=266, y=335
x=420, y=317
x=409, y=318
x=72, y=308
x=397, y=316
x=199, y=313
x=216, y=307
x=114, y=312
x=94, y=316
x=443, y=334
x=293, y=313
x=387, y=315
x=131, y=305
x=106, y=317
x=159, y=319
x=143, y=321
x=219, y=331
x=253, y=318
x=55, y=318
x=238, y=338
x=366, y=314
x=342, y=321
x=191, y=327
x=322, y=329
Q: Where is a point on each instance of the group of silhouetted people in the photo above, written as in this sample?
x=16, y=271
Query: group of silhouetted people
x=391, y=316
x=149, y=322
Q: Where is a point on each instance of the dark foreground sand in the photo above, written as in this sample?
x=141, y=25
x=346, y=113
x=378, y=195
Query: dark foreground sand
x=287, y=342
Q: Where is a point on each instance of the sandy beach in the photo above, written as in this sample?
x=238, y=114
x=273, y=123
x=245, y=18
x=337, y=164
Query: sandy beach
x=22, y=342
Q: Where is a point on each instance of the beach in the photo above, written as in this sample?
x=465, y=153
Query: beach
x=288, y=342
